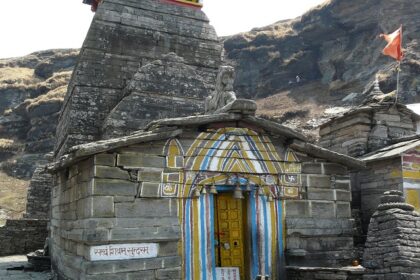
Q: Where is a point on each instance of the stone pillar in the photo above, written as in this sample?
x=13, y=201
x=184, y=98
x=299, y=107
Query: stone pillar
x=393, y=243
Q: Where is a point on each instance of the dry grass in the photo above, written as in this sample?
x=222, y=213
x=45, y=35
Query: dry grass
x=54, y=95
x=8, y=145
x=57, y=79
x=17, y=76
x=297, y=108
x=12, y=197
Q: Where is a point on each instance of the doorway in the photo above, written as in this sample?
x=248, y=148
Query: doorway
x=230, y=235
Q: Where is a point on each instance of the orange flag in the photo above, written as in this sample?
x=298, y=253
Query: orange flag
x=394, y=47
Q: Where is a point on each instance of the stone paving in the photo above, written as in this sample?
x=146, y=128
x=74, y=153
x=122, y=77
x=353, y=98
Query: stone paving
x=19, y=261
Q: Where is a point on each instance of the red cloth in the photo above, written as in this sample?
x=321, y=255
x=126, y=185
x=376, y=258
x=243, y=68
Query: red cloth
x=394, y=47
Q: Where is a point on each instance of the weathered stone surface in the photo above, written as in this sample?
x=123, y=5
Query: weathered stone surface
x=125, y=36
x=146, y=208
x=180, y=90
x=39, y=195
x=326, y=48
x=392, y=246
x=22, y=236
x=114, y=187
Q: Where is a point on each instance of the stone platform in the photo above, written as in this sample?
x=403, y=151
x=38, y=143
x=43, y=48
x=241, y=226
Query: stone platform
x=18, y=262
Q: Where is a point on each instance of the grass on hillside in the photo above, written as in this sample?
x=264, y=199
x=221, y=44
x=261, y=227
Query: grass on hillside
x=17, y=76
x=54, y=95
x=8, y=145
x=12, y=197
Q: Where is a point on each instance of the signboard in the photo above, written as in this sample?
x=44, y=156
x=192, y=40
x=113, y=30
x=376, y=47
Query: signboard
x=123, y=251
x=227, y=273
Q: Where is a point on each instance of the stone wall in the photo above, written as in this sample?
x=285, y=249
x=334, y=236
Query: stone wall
x=347, y=135
x=393, y=243
x=320, y=227
x=22, y=236
x=126, y=35
x=379, y=177
x=39, y=195
x=322, y=273
x=96, y=202
x=367, y=129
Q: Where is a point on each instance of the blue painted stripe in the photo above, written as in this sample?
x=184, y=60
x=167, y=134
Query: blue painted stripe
x=188, y=255
x=203, y=248
x=254, y=262
x=280, y=226
x=267, y=260
x=257, y=152
x=213, y=253
x=210, y=153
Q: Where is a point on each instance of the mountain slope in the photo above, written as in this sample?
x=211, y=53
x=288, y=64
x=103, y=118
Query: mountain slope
x=334, y=49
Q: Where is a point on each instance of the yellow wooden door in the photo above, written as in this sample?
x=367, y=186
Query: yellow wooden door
x=230, y=232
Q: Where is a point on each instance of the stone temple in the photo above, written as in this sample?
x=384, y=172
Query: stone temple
x=160, y=172
x=150, y=54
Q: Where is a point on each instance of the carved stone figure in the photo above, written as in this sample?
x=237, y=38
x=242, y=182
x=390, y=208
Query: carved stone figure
x=223, y=94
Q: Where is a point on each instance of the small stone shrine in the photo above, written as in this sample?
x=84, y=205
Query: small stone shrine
x=392, y=247
x=200, y=196
x=382, y=133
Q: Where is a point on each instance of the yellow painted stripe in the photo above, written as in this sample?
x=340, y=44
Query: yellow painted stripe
x=196, y=241
x=411, y=175
x=413, y=198
x=273, y=236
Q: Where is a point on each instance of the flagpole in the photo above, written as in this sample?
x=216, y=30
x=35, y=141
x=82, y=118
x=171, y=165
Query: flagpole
x=398, y=81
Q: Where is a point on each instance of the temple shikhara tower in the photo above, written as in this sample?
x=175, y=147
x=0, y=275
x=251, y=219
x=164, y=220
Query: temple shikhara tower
x=126, y=44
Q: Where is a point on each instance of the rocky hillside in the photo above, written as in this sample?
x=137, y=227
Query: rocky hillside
x=333, y=48
x=32, y=90
x=336, y=52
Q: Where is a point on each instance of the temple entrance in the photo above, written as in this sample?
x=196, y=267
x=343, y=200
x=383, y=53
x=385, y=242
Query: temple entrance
x=230, y=234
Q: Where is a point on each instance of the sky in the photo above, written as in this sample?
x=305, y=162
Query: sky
x=32, y=25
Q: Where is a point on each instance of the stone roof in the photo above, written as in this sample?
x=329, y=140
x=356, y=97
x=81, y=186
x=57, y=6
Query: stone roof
x=395, y=150
x=168, y=128
x=372, y=107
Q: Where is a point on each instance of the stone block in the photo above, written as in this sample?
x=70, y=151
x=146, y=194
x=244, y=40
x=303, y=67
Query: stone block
x=93, y=236
x=171, y=273
x=146, y=234
x=150, y=189
x=110, y=276
x=103, y=206
x=84, y=208
x=322, y=209
x=150, y=176
x=320, y=194
x=114, y=187
x=110, y=172
x=343, y=210
x=334, y=169
x=168, y=249
x=311, y=168
x=136, y=160
x=342, y=184
x=145, y=264
x=319, y=181
x=146, y=207
x=297, y=208
x=97, y=267
x=341, y=195
x=120, y=199
x=147, y=221
x=104, y=159
x=144, y=275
